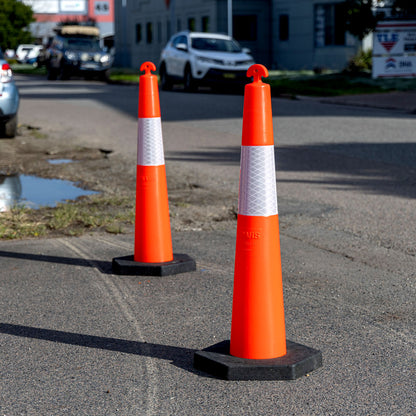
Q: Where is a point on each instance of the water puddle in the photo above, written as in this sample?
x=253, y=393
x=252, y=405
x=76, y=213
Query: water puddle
x=34, y=192
x=59, y=161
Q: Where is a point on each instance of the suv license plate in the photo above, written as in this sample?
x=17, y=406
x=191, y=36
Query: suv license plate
x=89, y=66
x=229, y=76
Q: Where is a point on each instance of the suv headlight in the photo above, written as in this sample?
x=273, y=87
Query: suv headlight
x=71, y=56
x=105, y=59
x=248, y=62
x=209, y=60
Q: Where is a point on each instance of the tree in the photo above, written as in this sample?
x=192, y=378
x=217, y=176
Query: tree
x=359, y=17
x=15, y=18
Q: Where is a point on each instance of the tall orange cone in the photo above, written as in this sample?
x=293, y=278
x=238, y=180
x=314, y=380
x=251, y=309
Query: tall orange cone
x=258, y=325
x=153, y=253
x=153, y=241
x=258, y=348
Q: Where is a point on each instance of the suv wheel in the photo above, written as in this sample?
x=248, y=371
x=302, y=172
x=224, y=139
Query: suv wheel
x=165, y=81
x=188, y=80
x=52, y=74
x=63, y=73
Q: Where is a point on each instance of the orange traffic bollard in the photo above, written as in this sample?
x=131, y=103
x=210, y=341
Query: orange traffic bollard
x=258, y=325
x=153, y=241
x=153, y=253
x=258, y=348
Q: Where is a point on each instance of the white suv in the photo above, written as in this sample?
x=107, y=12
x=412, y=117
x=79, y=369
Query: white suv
x=203, y=59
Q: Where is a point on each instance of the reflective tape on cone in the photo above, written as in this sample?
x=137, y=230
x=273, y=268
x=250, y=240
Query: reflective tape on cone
x=257, y=194
x=150, y=142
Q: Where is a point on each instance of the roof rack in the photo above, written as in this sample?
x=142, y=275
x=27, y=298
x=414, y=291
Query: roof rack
x=76, y=30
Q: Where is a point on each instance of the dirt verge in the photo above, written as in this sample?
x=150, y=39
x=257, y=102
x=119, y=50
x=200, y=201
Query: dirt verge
x=192, y=206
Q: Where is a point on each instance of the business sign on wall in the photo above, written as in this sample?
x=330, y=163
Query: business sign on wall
x=43, y=6
x=394, y=50
x=58, y=6
x=101, y=8
x=73, y=6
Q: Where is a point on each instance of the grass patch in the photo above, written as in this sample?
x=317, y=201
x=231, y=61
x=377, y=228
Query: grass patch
x=19, y=223
x=111, y=214
x=124, y=75
x=27, y=69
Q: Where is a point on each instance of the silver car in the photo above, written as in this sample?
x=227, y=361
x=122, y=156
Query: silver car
x=9, y=100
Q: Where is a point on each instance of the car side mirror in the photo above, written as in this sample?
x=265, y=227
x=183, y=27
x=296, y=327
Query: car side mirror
x=247, y=51
x=182, y=47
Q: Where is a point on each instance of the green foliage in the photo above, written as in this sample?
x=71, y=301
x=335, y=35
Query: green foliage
x=15, y=18
x=112, y=214
x=361, y=62
x=359, y=17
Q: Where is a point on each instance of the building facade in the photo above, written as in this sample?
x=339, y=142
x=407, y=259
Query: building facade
x=50, y=12
x=282, y=34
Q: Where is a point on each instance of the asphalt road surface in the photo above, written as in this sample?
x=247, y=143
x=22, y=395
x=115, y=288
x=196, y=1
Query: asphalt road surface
x=77, y=340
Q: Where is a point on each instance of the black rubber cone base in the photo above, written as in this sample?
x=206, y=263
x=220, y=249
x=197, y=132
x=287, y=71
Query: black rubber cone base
x=181, y=263
x=217, y=361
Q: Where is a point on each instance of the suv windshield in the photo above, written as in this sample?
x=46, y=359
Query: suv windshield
x=82, y=44
x=213, y=44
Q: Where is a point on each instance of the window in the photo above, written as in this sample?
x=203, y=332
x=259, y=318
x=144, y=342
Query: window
x=149, y=32
x=245, y=27
x=191, y=24
x=168, y=31
x=138, y=33
x=329, y=25
x=159, y=32
x=179, y=39
x=179, y=25
x=205, y=23
x=284, y=27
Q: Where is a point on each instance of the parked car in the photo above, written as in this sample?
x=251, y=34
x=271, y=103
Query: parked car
x=195, y=59
x=33, y=54
x=76, y=50
x=22, y=52
x=9, y=100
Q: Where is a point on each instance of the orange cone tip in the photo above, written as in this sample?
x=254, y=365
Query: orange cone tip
x=149, y=105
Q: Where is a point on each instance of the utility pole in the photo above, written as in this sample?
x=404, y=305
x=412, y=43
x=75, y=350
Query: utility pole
x=172, y=17
x=124, y=57
x=230, y=17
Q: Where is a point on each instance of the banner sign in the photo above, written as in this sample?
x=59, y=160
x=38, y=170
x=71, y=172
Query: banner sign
x=73, y=6
x=394, y=50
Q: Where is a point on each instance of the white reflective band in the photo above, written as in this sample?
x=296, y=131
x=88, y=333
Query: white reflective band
x=150, y=142
x=257, y=195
